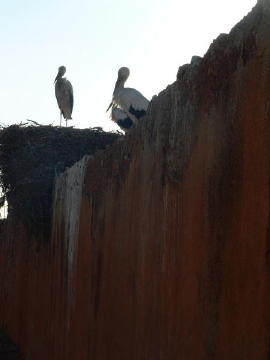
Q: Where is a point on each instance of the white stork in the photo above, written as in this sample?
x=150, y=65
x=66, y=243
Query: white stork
x=121, y=119
x=130, y=100
x=64, y=95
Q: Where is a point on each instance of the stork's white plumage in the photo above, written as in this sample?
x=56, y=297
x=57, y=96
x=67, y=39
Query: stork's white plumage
x=121, y=119
x=64, y=95
x=130, y=100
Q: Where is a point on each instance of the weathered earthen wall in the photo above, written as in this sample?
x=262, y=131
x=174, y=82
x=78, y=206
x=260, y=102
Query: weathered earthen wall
x=160, y=246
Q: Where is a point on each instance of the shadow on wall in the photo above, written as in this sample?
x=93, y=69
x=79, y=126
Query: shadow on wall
x=8, y=350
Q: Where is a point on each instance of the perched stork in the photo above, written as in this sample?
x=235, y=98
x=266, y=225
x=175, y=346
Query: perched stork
x=64, y=95
x=131, y=101
x=121, y=119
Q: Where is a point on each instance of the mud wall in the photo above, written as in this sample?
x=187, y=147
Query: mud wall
x=160, y=246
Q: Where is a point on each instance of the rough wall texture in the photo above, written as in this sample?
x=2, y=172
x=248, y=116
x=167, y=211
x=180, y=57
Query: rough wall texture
x=161, y=245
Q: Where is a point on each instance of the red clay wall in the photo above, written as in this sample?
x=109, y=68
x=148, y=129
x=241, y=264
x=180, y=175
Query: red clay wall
x=161, y=245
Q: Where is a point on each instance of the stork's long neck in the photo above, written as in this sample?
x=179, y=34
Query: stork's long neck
x=58, y=77
x=119, y=84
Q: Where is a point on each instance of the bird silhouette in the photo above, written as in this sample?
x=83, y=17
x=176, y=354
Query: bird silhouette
x=130, y=100
x=64, y=95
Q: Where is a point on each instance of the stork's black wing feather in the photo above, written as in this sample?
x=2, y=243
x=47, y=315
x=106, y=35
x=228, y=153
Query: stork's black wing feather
x=137, y=113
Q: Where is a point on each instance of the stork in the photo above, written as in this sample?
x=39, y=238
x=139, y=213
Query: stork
x=130, y=100
x=64, y=95
x=121, y=119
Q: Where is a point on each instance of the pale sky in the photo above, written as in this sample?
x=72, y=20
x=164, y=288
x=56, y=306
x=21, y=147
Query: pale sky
x=93, y=39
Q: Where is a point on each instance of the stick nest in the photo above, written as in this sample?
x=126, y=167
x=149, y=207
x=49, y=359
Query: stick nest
x=31, y=157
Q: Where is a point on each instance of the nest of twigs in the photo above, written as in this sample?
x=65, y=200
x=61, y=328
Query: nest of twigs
x=31, y=157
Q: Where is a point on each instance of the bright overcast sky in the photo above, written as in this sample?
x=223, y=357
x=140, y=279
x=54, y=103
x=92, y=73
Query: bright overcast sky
x=93, y=39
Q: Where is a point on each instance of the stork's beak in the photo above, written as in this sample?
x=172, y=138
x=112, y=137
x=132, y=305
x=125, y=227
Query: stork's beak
x=109, y=107
x=57, y=77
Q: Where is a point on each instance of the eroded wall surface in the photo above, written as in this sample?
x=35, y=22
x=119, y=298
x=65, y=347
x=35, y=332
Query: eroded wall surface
x=160, y=247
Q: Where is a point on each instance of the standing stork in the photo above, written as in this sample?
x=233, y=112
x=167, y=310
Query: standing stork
x=130, y=100
x=121, y=119
x=64, y=95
